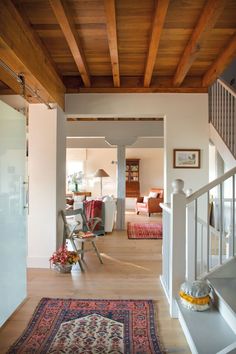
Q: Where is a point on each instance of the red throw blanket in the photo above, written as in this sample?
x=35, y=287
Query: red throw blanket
x=93, y=209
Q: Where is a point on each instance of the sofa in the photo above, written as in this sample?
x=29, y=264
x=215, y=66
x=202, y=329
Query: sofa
x=150, y=204
x=108, y=209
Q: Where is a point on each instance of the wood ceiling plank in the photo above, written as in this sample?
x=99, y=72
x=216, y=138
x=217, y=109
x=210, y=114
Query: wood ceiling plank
x=157, y=26
x=221, y=63
x=20, y=50
x=110, y=11
x=210, y=14
x=65, y=21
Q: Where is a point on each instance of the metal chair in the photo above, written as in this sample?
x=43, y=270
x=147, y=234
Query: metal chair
x=83, y=235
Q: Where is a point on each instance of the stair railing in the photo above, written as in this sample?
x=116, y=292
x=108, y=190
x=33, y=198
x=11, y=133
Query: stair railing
x=222, y=112
x=198, y=233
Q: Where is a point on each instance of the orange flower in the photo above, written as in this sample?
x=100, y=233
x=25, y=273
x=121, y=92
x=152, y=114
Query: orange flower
x=63, y=256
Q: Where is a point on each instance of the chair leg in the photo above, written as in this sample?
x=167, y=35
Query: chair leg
x=137, y=212
x=81, y=266
x=149, y=214
x=82, y=251
x=97, y=252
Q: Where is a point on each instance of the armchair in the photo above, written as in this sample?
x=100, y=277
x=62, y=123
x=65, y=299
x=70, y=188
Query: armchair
x=151, y=203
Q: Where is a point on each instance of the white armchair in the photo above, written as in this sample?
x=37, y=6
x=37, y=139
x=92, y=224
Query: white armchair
x=110, y=213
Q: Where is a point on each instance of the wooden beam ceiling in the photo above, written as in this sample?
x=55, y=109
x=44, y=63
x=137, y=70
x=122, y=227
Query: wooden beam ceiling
x=157, y=26
x=207, y=20
x=65, y=21
x=221, y=63
x=112, y=39
x=166, y=48
x=23, y=54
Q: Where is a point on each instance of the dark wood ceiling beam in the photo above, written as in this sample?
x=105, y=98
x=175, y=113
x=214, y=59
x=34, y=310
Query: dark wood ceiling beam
x=143, y=90
x=65, y=21
x=10, y=81
x=157, y=26
x=110, y=12
x=211, y=12
x=221, y=63
x=133, y=84
x=20, y=50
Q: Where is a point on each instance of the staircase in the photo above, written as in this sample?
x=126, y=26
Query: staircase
x=222, y=112
x=202, y=226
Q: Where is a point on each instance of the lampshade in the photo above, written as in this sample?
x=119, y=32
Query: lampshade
x=101, y=173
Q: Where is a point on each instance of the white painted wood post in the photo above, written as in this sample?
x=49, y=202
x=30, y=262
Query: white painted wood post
x=190, y=239
x=190, y=243
x=121, y=184
x=177, y=243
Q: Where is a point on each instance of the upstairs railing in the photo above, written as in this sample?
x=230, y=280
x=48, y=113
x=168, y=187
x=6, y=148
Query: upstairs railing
x=198, y=233
x=222, y=112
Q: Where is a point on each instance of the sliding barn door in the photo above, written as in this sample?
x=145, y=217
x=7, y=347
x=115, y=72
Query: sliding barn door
x=12, y=211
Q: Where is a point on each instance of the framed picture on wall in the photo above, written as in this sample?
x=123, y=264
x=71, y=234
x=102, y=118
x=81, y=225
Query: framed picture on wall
x=186, y=158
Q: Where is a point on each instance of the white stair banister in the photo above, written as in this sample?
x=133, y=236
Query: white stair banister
x=177, y=243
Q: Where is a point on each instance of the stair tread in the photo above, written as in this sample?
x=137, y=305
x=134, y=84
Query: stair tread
x=209, y=331
x=226, y=289
x=227, y=270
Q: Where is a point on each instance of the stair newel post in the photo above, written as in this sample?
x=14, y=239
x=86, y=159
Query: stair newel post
x=177, y=243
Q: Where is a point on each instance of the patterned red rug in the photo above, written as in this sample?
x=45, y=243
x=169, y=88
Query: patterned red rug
x=144, y=230
x=75, y=326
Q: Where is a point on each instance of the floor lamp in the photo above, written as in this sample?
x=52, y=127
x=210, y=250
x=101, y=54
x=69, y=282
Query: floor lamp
x=101, y=173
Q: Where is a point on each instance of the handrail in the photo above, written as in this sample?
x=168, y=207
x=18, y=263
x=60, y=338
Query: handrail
x=210, y=185
x=166, y=207
x=227, y=87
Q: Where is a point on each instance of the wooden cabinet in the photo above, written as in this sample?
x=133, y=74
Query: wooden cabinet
x=132, y=178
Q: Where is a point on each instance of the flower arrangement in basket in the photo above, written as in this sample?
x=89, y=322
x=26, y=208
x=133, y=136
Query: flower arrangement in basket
x=62, y=259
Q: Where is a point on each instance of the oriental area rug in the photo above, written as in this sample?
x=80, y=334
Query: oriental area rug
x=144, y=230
x=90, y=326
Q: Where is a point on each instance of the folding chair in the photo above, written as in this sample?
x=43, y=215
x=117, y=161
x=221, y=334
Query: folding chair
x=80, y=236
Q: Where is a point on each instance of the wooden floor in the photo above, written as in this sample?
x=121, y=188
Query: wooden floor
x=131, y=270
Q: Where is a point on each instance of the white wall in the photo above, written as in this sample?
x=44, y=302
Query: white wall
x=46, y=169
x=186, y=125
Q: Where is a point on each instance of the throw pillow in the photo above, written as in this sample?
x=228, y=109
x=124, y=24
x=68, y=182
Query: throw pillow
x=145, y=198
x=153, y=195
x=70, y=201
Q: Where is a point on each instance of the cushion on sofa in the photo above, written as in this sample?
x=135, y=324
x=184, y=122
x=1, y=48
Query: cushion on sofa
x=153, y=195
x=70, y=201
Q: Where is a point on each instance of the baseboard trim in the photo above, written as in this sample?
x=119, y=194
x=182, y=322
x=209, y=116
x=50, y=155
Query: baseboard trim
x=38, y=262
x=14, y=312
x=164, y=288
